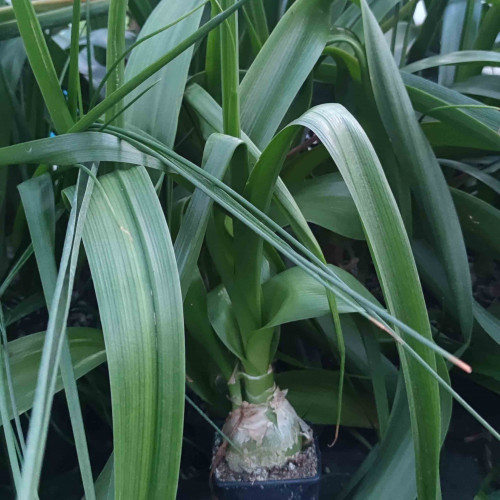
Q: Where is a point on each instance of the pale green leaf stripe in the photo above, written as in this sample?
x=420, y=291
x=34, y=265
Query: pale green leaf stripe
x=460, y=57
x=137, y=286
x=281, y=67
x=419, y=163
x=353, y=154
x=41, y=63
x=149, y=114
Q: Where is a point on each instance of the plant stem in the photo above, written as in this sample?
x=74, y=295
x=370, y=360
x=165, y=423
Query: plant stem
x=259, y=388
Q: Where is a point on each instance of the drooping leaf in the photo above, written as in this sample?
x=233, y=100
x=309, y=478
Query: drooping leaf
x=415, y=155
x=137, y=286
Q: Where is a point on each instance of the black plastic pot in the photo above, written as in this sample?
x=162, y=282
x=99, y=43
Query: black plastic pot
x=306, y=488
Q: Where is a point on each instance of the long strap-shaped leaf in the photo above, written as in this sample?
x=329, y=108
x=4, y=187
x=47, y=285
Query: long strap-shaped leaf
x=39, y=206
x=51, y=355
x=454, y=108
x=391, y=251
x=281, y=67
x=41, y=62
x=415, y=155
x=461, y=57
x=152, y=113
x=137, y=286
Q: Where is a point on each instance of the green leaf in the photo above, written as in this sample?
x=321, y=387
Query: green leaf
x=488, y=57
x=479, y=221
x=218, y=191
x=480, y=85
x=87, y=352
x=417, y=158
x=74, y=91
x=454, y=19
x=478, y=174
x=293, y=295
x=117, y=18
x=41, y=64
x=428, y=30
x=39, y=206
x=482, y=124
x=54, y=18
x=313, y=394
x=325, y=200
x=129, y=86
x=219, y=152
x=390, y=248
x=105, y=484
x=489, y=323
x=198, y=326
x=392, y=460
x=54, y=340
x=129, y=250
x=149, y=113
x=223, y=321
x=73, y=148
x=485, y=39
x=269, y=86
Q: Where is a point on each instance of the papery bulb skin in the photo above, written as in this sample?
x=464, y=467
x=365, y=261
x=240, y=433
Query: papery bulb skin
x=267, y=434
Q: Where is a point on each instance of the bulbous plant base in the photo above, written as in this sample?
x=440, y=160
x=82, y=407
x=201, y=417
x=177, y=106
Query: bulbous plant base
x=276, y=457
x=265, y=435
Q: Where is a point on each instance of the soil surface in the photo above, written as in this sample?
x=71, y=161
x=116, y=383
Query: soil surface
x=301, y=465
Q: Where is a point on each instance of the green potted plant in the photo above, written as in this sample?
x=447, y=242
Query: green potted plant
x=215, y=171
